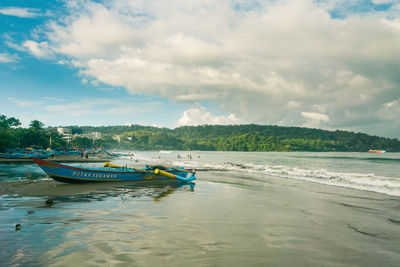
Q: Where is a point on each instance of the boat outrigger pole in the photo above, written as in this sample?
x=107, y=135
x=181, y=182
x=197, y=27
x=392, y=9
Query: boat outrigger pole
x=158, y=172
x=173, y=176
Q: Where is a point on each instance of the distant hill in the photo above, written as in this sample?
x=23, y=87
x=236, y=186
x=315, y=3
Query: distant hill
x=249, y=137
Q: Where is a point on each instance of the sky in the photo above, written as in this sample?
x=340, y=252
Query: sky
x=328, y=64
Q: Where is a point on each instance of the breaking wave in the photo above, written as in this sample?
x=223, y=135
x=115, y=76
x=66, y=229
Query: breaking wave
x=360, y=181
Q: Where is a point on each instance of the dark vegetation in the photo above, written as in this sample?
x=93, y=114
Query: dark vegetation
x=12, y=136
x=208, y=137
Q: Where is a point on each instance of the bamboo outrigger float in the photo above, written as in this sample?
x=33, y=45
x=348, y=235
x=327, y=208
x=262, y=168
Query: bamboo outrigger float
x=111, y=173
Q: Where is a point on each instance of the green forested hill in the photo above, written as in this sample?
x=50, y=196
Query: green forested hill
x=242, y=138
x=249, y=137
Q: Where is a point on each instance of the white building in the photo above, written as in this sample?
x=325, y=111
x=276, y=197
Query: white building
x=117, y=137
x=92, y=135
x=66, y=133
x=96, y=135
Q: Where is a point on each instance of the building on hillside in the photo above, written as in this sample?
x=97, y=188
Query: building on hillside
x=66, y=133
x=92, y=135
x=117, y=137
x=96, y=135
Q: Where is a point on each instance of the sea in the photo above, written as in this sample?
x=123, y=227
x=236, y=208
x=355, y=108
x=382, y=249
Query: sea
x=244, y=209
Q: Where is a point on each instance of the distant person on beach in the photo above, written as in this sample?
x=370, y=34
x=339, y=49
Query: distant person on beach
x=81, y=154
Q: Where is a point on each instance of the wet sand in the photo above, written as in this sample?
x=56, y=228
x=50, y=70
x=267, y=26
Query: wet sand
x=225, y=220
x=51, y=188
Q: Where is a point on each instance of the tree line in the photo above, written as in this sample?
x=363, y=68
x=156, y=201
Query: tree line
x=253, y=137
x=12, y=135
x=250, y=137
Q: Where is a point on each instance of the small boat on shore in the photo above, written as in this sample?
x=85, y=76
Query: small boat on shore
x=17, y=155
x=13, y=156
x=377, y=151
x=112, y=173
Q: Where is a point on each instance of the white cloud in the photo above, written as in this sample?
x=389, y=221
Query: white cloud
x=39, y=50
x=195, y=97
x=314, y=119
x=384, y=1
x=265, y=61
x=390, y=111
x=315, y=116
x=72, y=109
x=97, y=32
x=7, y=58
x=393, y=23
x=20, y=12
x=22, y=103
x=53, y=99
x=391, y=104
x=102, y=106
x=293, y=104
x=200, y=116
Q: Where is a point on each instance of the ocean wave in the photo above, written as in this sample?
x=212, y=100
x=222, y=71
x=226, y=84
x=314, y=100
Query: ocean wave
x=383, y=158
x=360, y=181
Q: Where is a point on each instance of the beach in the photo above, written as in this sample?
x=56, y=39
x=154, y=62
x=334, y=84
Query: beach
x=227, y=217
x=252, y=133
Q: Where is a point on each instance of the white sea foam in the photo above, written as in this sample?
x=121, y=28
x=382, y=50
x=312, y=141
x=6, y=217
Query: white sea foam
x=294, y=166
x=360, y=181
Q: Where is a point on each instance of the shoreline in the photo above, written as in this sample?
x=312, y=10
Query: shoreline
x=72, y=159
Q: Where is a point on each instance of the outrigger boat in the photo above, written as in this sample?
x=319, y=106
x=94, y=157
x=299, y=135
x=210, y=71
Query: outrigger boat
x=377, y=151
x=112, y=173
